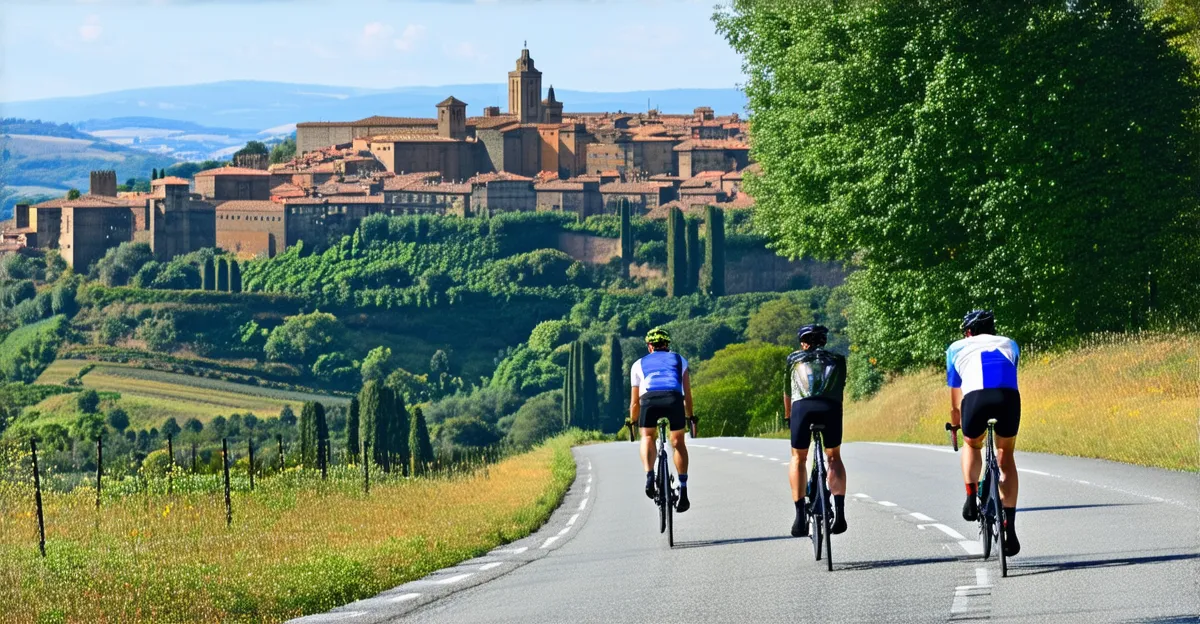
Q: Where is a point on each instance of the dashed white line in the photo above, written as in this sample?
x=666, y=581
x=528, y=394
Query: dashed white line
x=725, y=450
x=861, y=495
x=549, y=541
x=583, y=504
x=1083, y=482
x=775, y=459
x=589, y=479
x=564, y=531
x=513, y=551
x=587, y=490
x=887, y=503
x=972, y=547
x=1036, y=472
x=981, y=577
x=407, y=597
x=949, y=531
x=572, y=520
x=738, y=453
x=914, y=446
x=453, y=579
x=489, y=566
x=920, y=516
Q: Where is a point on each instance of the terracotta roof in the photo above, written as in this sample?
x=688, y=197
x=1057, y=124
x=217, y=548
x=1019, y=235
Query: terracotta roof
x=248, y=205
x=94, y=201
x=341, y=188
x=287, y=189
x=381, y=120
x=492, y=122
x=412, y=137
x=498, y=176
x=241, y=171
x=560, y=185
x=444, y=188
x=732, y=175
x=711, y=144
x=740, y=201
x=405, y=181
x=631, y=187
x=171, y=180
x=702, y=179
x=334, y=201
x=452, y=101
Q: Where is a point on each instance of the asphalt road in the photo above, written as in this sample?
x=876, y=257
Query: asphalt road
x=1102, y=542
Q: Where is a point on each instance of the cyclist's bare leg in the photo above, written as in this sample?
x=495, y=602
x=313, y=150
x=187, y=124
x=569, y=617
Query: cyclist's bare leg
x=681, y=452
x=1008, y=470
x=649, y=439
x=796, y=473
x=972, y=460
x=837, y=471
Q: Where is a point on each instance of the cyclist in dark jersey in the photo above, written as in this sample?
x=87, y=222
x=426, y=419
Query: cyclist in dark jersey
x=817, y=379
x=662, y=388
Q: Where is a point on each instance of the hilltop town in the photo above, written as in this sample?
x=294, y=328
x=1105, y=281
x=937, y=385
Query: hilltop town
x=534, y=157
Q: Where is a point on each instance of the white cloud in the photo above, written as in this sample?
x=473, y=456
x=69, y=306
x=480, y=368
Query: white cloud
x=464, y=50
x=376, y=31
x=91, y=29
x=407, y=39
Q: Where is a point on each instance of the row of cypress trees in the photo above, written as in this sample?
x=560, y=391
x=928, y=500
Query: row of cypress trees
x=691, y=267
x=221, y=274
x=582, y=405
x=380, y=423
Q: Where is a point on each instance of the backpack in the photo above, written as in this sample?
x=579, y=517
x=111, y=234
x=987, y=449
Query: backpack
x=817, y=373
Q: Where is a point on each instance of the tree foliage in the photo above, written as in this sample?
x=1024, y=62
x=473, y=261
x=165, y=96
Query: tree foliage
x=740, y=390
x=712, y=280
x=304, y=337
x=677, y=267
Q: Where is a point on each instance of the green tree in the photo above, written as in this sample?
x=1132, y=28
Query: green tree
x=304, y=337
x=235, y=276
x=193, y=426
x=466, y=432
x=712, y=280
x=208, y=275
x=695, y=255
x=159, y=334
x=73, y=194
x=778, y=321
x=419, y=443
x=88, y=401
x=283, y=151
x=398, y=429
x=252, y=147
x=322, y=434
x=627, y=238
x=740, y=390
x=88, y=427
x=538, y=419
x=286, y=416
x=353, y=442
x=170, y=427
x=377, y=365
x=118, y=419
x=222, y=275
x=616, y=397
x=677, y=272
x=940, y=146
x=373, y=421
x=309, y=435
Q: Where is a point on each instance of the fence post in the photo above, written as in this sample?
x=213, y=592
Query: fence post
x=366, y=469
x=170, y=468
x=225, y=464
x=99, y=467
x=37, y=496
x=250, y=449
x=279, y=439
x=193, y=458
x=323, y=454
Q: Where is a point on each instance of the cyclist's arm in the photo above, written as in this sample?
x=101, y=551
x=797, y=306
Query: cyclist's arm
x=635, y=407
x=956, y=407
x=687, y=393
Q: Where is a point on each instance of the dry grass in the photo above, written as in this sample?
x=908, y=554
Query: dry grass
x=291, y=550
x=1132, y=399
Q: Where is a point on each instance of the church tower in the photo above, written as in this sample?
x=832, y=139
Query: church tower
x=525, y=90
x=551, y=108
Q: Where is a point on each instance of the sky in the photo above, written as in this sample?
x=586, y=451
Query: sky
x=51, y=48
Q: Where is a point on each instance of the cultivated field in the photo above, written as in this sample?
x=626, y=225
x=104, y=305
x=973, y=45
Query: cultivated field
x=1126, y=398
x=296, y=546
x=151, y=396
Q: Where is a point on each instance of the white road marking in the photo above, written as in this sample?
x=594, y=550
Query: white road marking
x=787, y=463
x=589, y=465
x=754, y=456
x=914, y=446
x=406, y=597
x=887, y=503
x=737, y=453
x=920, y=516
x=587, y=490
x=572, y=520
x=1158, y=499
x=454, y=579
x=981, y=577
x=964, y=593
x=949, y=531
x=589, y=479
x=725, y=450
x=776, y=459
x=564, y=531
x=1036, y=472
x=582, y=504
x=333, y=617
x=861, y=495
x=972, y=547
x=513, y=551
x=1083, y=482
x=550, y=540
x=489, y=566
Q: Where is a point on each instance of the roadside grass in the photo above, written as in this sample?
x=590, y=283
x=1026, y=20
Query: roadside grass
x=151, y=396
x=1127, y=398
x=291, y=550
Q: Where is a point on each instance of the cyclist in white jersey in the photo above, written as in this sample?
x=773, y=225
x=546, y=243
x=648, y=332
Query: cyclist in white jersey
x=662, y=388
x=981, y=370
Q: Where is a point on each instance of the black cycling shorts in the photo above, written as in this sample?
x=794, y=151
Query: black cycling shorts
x=1003, y=404
x=816, y=411
x=662, y=404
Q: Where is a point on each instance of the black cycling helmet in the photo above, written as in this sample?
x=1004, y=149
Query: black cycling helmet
x=813, y=334
x=979, y=322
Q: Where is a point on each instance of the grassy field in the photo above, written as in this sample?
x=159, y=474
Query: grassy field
x=1129, y=399
x=291, y=550
x=152, y=396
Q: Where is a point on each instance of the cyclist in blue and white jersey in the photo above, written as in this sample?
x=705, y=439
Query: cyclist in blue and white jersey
x=981, y=370
x=662, y=388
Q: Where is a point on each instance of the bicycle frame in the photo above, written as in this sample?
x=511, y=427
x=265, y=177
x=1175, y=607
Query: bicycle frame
x=820, y=512
x=991, y=508
x=666, y=493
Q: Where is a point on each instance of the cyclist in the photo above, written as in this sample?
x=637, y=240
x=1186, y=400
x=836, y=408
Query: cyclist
x=817, y=380
x=662, y=388
x=981, y=370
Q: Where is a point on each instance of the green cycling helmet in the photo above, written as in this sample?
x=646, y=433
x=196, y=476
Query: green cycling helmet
x=658, y=335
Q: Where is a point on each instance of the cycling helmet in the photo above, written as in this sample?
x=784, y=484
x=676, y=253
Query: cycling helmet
x=979, y=321
x=658, y=335
x=815, y=334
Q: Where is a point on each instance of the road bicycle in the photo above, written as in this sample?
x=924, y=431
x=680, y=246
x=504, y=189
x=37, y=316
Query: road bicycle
x=991, y=510
x=820, y=513
x=667, y=496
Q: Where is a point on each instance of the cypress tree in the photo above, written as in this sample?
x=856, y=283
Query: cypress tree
x=695, y=255
x=715, y=251
x=308, y=435
x=321, y=427
x=222, y=275
x=614, y=403
x=626, y=235
x=383, y=428
x=589, y=388
x=399, y=429
x=235, y=276
x=567, y=380
x=153, y=173
x=208, y=275
x=370, y=400
x=676, y=254
x=418, y=442
x=353, y=443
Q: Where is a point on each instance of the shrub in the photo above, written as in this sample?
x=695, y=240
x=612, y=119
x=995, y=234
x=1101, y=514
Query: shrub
x=466, y=432
x=538, y=419
x=88, y=401
x=740, y=390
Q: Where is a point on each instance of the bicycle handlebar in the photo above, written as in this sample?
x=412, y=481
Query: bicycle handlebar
x=953, y=433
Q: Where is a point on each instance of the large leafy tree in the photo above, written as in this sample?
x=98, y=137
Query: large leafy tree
x=1034, y=157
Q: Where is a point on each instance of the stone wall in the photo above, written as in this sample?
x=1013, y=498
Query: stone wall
x=761, y=270
x=88, y=233
x=589, y=248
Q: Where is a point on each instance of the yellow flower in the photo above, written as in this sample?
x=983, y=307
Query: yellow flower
x=166, y=510
x=133, y=533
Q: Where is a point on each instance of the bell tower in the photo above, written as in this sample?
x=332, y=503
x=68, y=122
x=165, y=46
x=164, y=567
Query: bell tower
x=525, y=90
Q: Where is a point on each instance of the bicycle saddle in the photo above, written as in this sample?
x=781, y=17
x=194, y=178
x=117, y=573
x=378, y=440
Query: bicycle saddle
x=816, y=427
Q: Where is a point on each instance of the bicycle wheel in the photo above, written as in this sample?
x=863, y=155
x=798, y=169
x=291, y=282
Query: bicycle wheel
x=827, y=521
x=670, y=507
x=999, y=515
x=985, y=519
x=814, y=514
x=661, y=499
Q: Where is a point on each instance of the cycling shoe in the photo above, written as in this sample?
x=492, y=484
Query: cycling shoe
x=970, y=510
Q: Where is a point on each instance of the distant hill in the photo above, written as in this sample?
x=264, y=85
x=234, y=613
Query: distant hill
x=184, y=140
x=261, y=105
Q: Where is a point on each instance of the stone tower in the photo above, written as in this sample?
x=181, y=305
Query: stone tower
x=103, y=183
x=551, y=108
x=525, y=90
x=452, y=118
